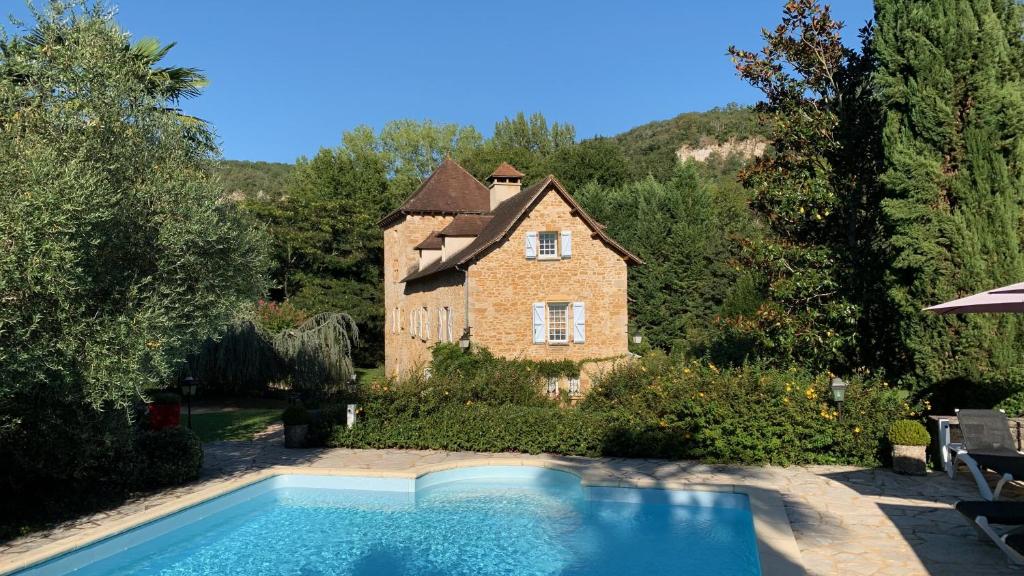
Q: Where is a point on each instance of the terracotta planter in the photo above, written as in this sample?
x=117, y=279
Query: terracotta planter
x=909, y=460
x=164, y=416
x=295, y=435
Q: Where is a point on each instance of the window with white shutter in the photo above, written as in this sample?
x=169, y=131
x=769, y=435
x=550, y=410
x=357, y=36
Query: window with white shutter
x=552, y=385
x=440, y=325
x=531, y=245
x=449, y=322
x=558, y=323
x=574, y=386
x=538, y=323
x=579, y=323
x=547, y=246
x=425, y=332
x=566, y=243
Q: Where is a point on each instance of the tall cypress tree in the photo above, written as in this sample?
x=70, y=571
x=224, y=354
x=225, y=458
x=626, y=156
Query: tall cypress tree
x=949, y=82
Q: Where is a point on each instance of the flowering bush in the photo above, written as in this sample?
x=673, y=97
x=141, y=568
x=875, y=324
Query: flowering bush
x=274, y=317
x=656, y=407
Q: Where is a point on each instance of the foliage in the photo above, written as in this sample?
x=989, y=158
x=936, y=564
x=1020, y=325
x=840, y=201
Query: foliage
x=949, y=81
x=687, y=231
x=295, y=416
x=119, y=256
x=314, y=358
x=166, y=398
x=241, y=424
x=248, y=181
x=168, y=457
x=275, y=318
x=659, y=407
x=480, y=427
x=808, y=190
x=908, y=433
x=651, y=148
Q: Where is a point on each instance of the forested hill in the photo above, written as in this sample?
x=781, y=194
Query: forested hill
x=698, y=135
x=650, y=148
x=242, y=179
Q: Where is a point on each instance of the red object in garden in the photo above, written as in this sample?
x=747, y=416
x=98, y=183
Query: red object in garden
x=164, y=415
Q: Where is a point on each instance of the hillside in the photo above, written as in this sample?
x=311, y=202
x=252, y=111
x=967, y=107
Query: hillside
x=242, y=179
x=730, y=130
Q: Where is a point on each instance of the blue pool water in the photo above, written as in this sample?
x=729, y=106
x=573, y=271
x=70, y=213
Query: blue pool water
x=496, y=520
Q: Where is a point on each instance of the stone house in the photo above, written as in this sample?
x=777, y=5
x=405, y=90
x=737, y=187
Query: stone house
x=526, y=273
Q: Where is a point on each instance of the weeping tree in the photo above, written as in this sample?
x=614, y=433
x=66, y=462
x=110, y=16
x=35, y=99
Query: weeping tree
x=318, y=354
x=313, y=358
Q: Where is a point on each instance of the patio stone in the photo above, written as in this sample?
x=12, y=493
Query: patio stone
x=846, y=520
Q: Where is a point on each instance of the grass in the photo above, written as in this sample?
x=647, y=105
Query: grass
x=241, y=424
x=368, y=375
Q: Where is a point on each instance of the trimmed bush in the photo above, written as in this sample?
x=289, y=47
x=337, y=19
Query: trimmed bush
x=295, y=416
x=908, y=433
x=657, y=407
x=168, y=457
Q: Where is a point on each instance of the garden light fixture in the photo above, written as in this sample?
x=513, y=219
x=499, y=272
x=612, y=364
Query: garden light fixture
x=188, y=390
x=839, y=392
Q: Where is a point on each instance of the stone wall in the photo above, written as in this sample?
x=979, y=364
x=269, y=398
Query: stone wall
x=504, y=284
x=401, y=351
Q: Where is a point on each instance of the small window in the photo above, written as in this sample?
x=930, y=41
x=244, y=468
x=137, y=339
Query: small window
x=574, y=386
x=548, y=245
x=558, y=323
x=552, y=385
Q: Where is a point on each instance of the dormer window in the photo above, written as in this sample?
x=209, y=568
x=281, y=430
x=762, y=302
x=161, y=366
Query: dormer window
x=548, y=245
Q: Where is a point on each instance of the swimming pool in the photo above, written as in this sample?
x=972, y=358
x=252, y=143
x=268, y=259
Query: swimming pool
x=515, y=520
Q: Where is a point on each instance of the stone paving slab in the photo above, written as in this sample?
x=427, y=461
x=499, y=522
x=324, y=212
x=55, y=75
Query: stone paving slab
x=846, y=520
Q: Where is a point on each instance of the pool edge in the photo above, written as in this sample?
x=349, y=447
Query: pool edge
x=778, y=552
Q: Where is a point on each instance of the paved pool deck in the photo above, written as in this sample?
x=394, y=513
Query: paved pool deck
x=845, y=520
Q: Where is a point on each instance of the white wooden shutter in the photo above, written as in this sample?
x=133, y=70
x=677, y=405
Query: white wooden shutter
x=531, y=245
x=426, y=324
x=440, y=324
x=538, y=322
x=566, y=243
x=449, y=318
x=579, y=322
x=412, y=323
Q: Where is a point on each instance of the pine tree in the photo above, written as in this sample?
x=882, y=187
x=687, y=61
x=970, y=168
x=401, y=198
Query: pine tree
x=949, y=82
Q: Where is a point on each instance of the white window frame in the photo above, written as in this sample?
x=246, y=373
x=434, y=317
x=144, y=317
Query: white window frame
x=551, y=323
x=574, y=386
x=552, y=389
x=543, y=239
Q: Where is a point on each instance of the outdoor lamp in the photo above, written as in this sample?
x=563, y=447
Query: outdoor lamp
x=464, y=340
x=637, y=338
x=188, y=390
x=838, y=389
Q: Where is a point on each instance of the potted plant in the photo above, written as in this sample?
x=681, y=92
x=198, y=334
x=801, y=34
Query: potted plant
x=909, y=439
x=296, y=426
x=164, y=410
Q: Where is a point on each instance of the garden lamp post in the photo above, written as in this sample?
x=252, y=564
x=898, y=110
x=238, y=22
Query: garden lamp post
x=188, y=390
x=839, y=392
x=637, y=338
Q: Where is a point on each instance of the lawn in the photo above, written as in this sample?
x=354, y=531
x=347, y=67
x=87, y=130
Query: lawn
x=368, y=375
x=240, y=424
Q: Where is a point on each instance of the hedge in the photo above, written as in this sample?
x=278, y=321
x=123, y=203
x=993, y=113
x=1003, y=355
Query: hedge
x=656, y=407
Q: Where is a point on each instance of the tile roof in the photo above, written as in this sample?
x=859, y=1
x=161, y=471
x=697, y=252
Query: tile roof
x=506, y=216
x=466, y=225
x=449, y=190
x=432, y=242
x=506, y=170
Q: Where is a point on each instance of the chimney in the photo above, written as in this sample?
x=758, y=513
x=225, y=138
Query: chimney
x=505, y=182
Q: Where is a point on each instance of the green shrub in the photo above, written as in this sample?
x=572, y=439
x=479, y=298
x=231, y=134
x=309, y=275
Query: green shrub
x=295, y=416
x=481, y=427
x=168, y=457
x=166, y=397
x=908, y=433
x=658, y=408
x=323, y=422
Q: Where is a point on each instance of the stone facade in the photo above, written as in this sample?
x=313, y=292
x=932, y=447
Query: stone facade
x=503, y=287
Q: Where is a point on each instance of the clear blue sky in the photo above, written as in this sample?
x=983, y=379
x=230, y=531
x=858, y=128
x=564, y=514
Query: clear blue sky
x=288, y=77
